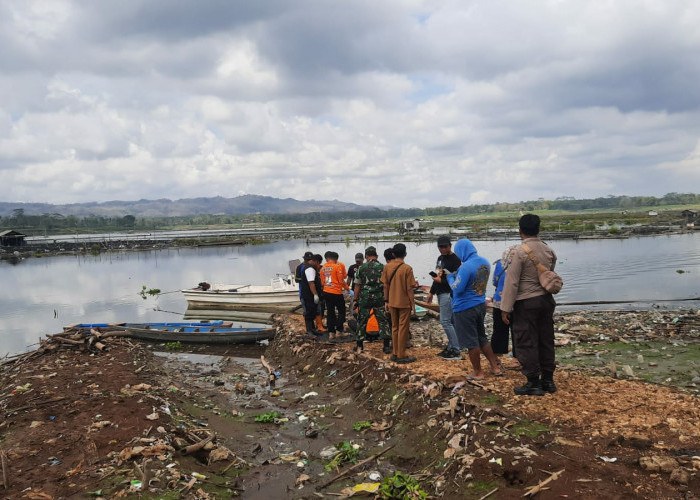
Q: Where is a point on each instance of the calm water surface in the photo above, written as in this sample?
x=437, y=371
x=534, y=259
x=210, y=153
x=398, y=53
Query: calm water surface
x=40, y=296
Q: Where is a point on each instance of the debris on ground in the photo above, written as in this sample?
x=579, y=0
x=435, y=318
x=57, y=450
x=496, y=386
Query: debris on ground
x=309, y=418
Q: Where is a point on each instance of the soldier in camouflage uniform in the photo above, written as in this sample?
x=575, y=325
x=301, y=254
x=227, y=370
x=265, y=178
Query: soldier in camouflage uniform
x=369, y=293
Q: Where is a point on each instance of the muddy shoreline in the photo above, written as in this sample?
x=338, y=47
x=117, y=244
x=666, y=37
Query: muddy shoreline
x=119, y=423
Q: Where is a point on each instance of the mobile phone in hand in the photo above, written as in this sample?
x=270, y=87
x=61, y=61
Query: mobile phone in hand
x=433, y=274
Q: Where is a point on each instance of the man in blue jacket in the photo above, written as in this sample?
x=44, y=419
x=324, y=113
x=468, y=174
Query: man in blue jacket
x=469, y=306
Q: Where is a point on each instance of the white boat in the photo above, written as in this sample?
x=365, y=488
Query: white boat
x=282, y=294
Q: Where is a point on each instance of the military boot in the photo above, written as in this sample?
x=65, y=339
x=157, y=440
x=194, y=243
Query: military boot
x=360, y=347
x=387, y=346
x=548, y=382
x=533, y=387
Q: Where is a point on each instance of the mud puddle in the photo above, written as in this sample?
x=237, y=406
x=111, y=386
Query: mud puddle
x=300, y=429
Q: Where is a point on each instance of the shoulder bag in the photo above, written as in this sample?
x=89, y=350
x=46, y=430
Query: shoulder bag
x=549, y=280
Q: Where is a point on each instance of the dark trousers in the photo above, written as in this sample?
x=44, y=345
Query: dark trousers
x=335, y=311
x=533, y=332
x=501, y=332
x=309, y=309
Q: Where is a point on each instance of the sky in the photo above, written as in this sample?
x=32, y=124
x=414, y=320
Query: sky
x=411, y=103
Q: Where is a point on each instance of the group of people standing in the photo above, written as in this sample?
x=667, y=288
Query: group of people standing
x=522, y=308
x=385, y=293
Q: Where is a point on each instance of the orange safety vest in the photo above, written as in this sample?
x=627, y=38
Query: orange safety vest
x=332, y=278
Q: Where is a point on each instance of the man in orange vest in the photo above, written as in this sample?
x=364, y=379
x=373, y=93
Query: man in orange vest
x=333, y=279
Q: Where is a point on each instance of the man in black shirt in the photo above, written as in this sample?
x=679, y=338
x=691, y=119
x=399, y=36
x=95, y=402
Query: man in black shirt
x=447, y=262
x=359, y=260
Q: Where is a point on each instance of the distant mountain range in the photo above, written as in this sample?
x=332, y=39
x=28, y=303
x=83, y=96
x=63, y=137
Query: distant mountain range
x=246, y=204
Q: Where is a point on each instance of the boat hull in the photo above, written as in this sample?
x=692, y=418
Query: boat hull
x=217, y=332
x=262, y=300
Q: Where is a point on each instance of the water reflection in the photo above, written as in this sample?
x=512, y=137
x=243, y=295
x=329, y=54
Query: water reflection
x=40, y=296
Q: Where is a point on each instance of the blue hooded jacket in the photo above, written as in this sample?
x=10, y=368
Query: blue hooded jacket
x=470, y=281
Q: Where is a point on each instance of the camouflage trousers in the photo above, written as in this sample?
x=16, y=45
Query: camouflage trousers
x=365, y=305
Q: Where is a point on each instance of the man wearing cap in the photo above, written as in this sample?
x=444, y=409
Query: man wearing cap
x=299, y=272
x=447, y=262
x=310, y=289
x=369, y=291
x=359, y=260
x=298, y=277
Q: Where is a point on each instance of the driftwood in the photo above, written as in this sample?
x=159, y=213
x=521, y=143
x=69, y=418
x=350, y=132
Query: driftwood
x=188, y=450
x=357, y=465
x=540, y=486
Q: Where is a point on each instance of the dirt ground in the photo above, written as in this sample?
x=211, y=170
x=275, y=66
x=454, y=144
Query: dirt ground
x=130, y=422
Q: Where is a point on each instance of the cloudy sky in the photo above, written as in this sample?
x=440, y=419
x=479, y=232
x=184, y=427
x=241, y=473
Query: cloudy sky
x=404, y=103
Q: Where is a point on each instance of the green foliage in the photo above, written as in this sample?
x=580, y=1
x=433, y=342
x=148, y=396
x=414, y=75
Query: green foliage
x=348, y=453
x=268, y=418
x=358, y=426
x=614, y=230
x=401, y=486
x=173, y=346
x=148, y=291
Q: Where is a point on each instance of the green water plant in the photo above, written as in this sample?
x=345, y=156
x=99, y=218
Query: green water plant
x=268, y=418
x=348, y=454
x=358, y=426
x=145, y=292
x=400, y=485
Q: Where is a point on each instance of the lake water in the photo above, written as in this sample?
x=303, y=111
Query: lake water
x=41, y=295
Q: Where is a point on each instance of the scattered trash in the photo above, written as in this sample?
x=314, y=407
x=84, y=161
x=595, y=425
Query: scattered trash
x=607, y=459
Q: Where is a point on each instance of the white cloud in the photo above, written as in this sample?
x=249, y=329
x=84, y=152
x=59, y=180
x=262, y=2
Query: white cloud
x=405, y=103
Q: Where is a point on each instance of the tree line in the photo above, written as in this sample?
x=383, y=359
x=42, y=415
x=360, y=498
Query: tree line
x=54, y=222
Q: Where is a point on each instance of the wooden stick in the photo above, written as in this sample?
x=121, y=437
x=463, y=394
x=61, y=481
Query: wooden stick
x=68, y=341
x=266, y=364
x=540, y=486
x=5, y=477
x=195, y=447
x=352, y=376
x=489, y=494
x=359, y=464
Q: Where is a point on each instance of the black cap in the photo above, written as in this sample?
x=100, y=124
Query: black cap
x=359, y=256
x=444, y=240
x=308, y=255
